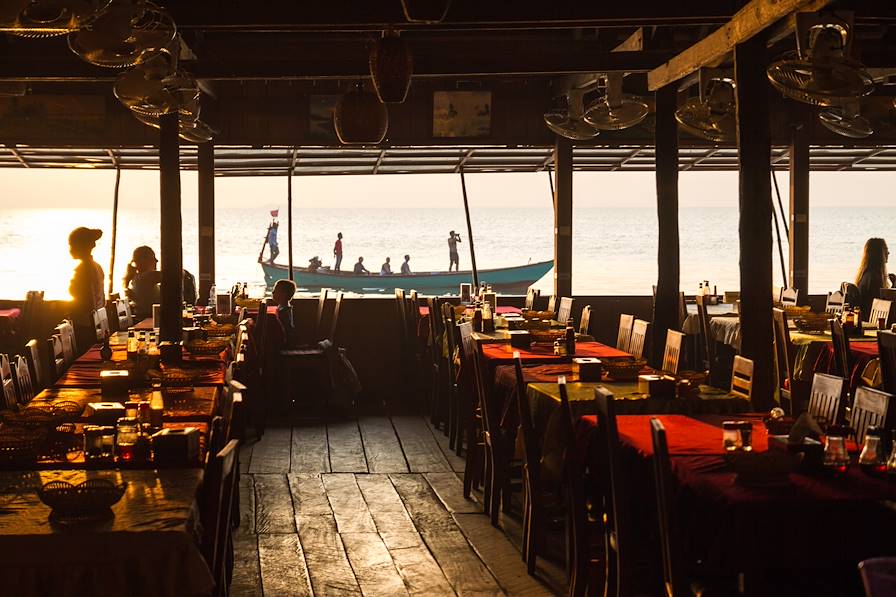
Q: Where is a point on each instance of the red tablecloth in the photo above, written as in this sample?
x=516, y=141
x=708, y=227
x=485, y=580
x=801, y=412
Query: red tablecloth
x=502, y=354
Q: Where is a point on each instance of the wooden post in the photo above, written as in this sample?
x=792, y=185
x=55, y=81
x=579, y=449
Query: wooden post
x=665, y=307
x=563, y=217
x=171, y=233
x=206, y=159
x=755, y=228
x=799, y=211
x=289, y=217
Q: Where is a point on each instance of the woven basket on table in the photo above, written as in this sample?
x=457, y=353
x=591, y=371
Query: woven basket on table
x=219, y=330
x=813, y=323
x=547, y=336
x=212, y=346
x=88, y=497
x=623, y=369
x=19, y=446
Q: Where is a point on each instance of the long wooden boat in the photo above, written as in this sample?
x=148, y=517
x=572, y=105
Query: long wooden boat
x=507, y=280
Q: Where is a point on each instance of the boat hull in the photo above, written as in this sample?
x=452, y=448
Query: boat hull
x=508, y=280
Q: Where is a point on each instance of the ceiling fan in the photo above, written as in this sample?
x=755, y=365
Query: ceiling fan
x=711, y=115
x=123, y=33
x=567, y=118
x=616, y=110
x=846, y=120
x=821, y=73
x=156, y=87
x=48, y=18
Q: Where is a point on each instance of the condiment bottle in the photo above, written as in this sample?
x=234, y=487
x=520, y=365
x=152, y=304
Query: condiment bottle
x=570, y=338
x=477, y=319
x=488, y=321
x=132, y=345
x=156, y=409
x=835, y=454
x=730, y=435
x=870, y=458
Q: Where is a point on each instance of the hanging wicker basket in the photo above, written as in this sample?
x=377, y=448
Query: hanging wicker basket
x=425, y=11
x=391, y=66
x=360, y=118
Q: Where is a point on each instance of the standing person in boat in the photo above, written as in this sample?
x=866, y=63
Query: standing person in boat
x=337, y=252
x=406, y=266
x=272, y=238
x=359, y=267
x=142, y=281
x=453, y=239
x=386, y=268
x=86, y=287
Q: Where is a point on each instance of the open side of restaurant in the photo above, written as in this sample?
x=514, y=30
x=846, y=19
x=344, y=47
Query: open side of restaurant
x=450, y=432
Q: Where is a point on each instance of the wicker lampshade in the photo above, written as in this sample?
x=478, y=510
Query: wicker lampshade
x=360, y=117
x=391, y=65
x=425, y=11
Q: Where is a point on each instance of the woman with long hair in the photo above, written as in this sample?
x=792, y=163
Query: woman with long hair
x=872, y=274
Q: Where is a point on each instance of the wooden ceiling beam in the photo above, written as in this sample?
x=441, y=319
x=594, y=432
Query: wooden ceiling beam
x=753, y=18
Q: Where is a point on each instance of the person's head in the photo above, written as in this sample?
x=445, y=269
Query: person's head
x=407, y=258
x=387, y=260
x=283, y=291
x=360, y=260
x=874, y=258
x=339, y=235
x=82, y=241
x=451, y=233
x=144, y=259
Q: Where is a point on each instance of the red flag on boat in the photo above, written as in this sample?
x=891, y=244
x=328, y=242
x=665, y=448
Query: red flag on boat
x=275, y=213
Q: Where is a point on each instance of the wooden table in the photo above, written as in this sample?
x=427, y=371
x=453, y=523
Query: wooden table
x=149, y=547
x=498, y=354
x=199, y=403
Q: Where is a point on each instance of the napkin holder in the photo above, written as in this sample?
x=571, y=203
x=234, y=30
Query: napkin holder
x=657, y=386
x=115, y=383
x=176, y=447
x=520, y=338
x=104, y=413
x=516, y=323
x=587, y=368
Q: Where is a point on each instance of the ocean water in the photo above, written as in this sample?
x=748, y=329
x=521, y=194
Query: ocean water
x=614, y=249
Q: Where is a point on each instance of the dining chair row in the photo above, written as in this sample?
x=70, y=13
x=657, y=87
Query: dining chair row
x=632, y=335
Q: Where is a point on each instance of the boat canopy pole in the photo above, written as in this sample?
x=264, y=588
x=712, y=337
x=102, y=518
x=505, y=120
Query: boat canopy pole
x=292, y=167
x=463, y=186
x=780, y=204
x=551, y=183
x=114, y=219
x=778, y=231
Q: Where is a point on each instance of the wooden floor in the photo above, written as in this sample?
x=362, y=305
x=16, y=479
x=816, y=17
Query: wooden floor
x=368, y=507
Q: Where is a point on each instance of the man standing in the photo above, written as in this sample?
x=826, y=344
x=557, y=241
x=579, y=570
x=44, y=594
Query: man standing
x=406, y=266
x=453, y=239
x=337, y=252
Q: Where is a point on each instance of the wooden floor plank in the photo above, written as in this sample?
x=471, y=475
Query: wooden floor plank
x=420, y=448
x=460, y=564
x=349, y=507
x=457, y=463
x=372, y=564
x=271, y=453
x=273, y=505
x=310, y=453
x=245, y=457
x=500, y=556
x=346, y=449
x=387, y=509
x=419, y=570
x=246, y=574
x=381, y=446
x=247, y=503
x=450, y=490
x=309, y=496
x=283, y=570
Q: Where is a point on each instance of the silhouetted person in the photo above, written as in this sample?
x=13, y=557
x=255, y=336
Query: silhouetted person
x=272, y=241
x=86, y=287
x=282, y=294
x=359, y=267
x=142, y=282
x=386, y=268
x=406, y=266
x=453, y=239
x=872, y=274
x=337, y=252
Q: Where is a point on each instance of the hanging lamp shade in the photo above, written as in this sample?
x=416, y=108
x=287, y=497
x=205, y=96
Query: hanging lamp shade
x=425, y=11
x=360, y=117
x=391, y=66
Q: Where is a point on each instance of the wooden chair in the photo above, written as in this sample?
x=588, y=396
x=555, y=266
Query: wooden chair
x=334, y=319
x=216, y=515
x=742, y=378
x=870, y=408
x=565, y=310
x=437, y=406
x=32, y=312
x=7, y=383
x=789, y=297
x=469, y=396
x=552, y=304
x=842, y=354
x=834, y=303
x=24, y=386
x=886, y=346
x=101, y=324
x=711, y=362
x=623, y=337
x=57, y=361
x=880, y=309
x=639, y=335
x=36, y=365
x=824, y=402
x=66, y=332
x=531, y=295
x=672, y=351
x=585, y=321
x=453, y=389
x=123, y=313
x=319, y=317
x=784, y=357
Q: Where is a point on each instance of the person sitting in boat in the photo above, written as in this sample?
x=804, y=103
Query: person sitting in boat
x=142, y=282
x=359, y=267
x=314, y=264
x=386, y=268
x=406, y=266
x=453, y=259
x=86, y=287
x=282, y=294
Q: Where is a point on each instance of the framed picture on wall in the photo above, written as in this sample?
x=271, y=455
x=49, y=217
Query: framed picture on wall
x=461, y=113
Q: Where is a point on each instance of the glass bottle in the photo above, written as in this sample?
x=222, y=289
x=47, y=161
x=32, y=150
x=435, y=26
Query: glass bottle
x=891, y=461
x=835, y=455
x=570, y=338
x=730, y=435
x=126, y=431
x=156, y=408
x=871, y=456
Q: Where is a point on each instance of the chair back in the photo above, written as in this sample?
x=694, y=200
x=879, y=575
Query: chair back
x=789, y=297
x=234, y=419
x=401, y=311
x=531, y=295
x=784, y=350
x=662, y=477
x=58, y=364
x=451, y=338
x=585, y=321
x=101, y=324
x=672, y=352
x=10, y=396
x=217, y=502
x=319, y=317
x=706, y=336
x=742, y=378
x=870, y=408
x=886, y=346
x=639, y=335
x=123, y=313
x=528, y=436
x=824, y=401
x=32, y=310
x=880, y=309
x=564, y=311
x=24, y=385
x=834, y=303
x=623, y=337
x=66, y=332
x=36, y=365
x=552, y=304
x=842, y=352
x=777, y=291
x=334, y=320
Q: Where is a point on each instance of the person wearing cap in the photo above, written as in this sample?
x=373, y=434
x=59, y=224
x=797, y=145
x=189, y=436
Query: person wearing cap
x=86, y=286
